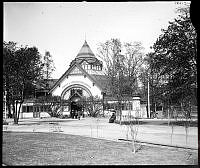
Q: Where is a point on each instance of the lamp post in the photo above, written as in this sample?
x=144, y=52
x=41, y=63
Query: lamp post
x=103, y=95
x=148, y=99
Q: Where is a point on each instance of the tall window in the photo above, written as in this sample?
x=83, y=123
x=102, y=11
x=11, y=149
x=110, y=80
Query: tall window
x=23, y=108
x=127, y=106
x=27, y=109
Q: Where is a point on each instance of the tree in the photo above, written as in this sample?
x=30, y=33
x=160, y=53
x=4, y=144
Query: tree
x=174, y=63
x=133, y=125
x=8, y=50
x=51, y=103
x=48, y=68
x=21, y=68
x=93, y=105
x=174, y=59
x=122, y=70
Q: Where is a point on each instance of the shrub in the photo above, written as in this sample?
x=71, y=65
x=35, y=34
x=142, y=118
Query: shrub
x=5, y=122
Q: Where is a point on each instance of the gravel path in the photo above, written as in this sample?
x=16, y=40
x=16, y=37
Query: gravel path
x=100, y=128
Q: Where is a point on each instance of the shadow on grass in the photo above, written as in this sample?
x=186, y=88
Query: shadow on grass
x=182, y=123
x=158, y=122
x=42, y=122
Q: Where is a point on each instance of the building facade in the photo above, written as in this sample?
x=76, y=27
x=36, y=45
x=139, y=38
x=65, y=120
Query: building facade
x=85, y=78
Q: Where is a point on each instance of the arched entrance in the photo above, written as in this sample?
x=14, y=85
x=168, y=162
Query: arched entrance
x=75, y=95
x=76, y=107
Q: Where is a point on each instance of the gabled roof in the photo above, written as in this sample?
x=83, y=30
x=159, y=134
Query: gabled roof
x=85, y=51
x=103, y=81
x=97, y=77
x=93, y=78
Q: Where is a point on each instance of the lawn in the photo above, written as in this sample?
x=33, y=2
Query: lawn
x=22, y=148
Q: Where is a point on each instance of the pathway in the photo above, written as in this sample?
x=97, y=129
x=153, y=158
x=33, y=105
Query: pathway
x=100, y=128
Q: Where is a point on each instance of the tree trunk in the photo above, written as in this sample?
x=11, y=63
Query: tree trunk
x=172, y=127
x=120, y=111
x=168, y=115
x=133, y=146
x=14, y=113
x=9, y=110
x=133, y=138
x=19, y=111
x=120, y=116
x=127, y=132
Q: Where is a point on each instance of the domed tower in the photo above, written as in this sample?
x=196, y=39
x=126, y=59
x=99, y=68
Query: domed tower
x=83, y=78
x=87, y=60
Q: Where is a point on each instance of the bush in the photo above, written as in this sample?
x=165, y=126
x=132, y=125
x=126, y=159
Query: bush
x=5, y=122
x=63, y=116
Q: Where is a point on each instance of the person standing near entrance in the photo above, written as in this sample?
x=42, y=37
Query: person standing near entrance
x=76, y=114
x=79, y=114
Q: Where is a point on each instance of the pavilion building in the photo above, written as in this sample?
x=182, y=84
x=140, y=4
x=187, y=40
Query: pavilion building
x=85, y=78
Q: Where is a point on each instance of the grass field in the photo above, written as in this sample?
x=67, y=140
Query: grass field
x=20, y=148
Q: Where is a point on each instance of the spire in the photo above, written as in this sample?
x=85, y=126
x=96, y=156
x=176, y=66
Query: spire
x=85, y=51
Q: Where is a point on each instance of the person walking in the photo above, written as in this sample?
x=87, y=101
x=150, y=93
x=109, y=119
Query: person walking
x=79, y=115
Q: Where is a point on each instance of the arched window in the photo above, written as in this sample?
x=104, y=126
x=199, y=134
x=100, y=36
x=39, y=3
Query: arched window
x=76, y=90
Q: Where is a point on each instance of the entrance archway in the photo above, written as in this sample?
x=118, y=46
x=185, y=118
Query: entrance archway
x=75, y=107
x=75, y=94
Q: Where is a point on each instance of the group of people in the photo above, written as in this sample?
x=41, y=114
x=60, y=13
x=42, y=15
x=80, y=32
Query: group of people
x=77, y=114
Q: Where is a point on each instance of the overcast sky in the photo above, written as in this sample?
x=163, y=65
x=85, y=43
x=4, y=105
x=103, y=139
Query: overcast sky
x=60, y=28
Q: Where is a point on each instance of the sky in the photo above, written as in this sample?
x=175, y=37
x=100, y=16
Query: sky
x=62, y=27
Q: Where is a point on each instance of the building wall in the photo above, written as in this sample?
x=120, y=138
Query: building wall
x=77, y=79
x=30, y=115
x=44, y=114
x=137, y=109
x=26, y=115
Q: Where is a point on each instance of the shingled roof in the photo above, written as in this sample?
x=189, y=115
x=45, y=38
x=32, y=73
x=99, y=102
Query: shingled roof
x=85, y=51
x=97, y=77
x=102, y=81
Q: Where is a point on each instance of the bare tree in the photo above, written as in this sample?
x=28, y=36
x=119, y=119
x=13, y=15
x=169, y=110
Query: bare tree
x=133, y=125
x=93, y=105
x=173, y=116
x=122, y=70
x=52, y=104
x=186, y=114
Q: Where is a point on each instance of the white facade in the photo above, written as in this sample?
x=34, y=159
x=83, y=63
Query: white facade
x=136, y=109
x=80, y=74
x=76, y=80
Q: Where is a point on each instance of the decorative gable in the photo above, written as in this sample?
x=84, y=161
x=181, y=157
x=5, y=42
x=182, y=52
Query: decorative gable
x=76, y=71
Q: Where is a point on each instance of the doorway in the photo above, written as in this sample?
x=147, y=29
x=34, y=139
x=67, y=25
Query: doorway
x=76, y=107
